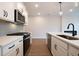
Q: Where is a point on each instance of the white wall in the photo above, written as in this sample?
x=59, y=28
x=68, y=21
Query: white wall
x=71, y=17
x=40, y=25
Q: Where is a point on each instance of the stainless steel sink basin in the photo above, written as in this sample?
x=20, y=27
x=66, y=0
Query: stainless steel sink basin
x=68, y=37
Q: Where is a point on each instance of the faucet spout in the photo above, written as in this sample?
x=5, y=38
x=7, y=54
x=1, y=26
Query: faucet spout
x=73, y=34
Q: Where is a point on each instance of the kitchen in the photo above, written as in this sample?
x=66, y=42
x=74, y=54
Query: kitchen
x=39, y=29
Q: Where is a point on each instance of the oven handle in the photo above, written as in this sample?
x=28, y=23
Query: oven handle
x=27, y=38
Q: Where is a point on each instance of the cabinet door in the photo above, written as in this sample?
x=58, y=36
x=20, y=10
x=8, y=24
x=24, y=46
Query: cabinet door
x=61, y=48
x=19, y=50
x=11, y=53
x=73, y=51
x=58, y=48
x=7, y=11
x=61, y=51
x=53, y=45
x=16, y=52
x=19, y=47
x=10, y=11
x=2, y=11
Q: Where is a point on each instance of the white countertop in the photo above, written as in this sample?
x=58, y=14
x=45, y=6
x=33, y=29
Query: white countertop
x=72, y=42
x=4, y=40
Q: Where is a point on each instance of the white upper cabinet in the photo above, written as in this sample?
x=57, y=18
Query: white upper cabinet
x=7, y=11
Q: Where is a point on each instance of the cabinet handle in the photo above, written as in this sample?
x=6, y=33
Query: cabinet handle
x=55, y=47
x=4, y=13
x=17, y=51
x=20, y=40
x=11, y=46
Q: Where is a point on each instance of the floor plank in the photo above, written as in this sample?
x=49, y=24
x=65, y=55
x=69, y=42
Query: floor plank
x=39, y=48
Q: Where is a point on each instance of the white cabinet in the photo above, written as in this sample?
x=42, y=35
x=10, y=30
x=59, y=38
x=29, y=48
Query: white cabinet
x=11, y=53
x=73, y=51
x=13, y=49
x=53, y=46
x=7, y=11
x=16, y=52
x=19, y=47
x=19, y=50
x=58, y=47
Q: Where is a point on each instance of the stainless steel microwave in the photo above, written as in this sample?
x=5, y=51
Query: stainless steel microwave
x=19, y=18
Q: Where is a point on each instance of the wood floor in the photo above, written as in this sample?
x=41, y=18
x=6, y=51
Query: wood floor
x=39, y=48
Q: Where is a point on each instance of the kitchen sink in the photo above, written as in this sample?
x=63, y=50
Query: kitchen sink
x=68, y=37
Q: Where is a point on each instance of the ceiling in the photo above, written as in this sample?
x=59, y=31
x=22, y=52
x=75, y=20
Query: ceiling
x=48, y=8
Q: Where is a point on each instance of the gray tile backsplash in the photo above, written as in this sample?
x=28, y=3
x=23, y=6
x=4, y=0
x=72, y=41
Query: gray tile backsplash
x=6, y=28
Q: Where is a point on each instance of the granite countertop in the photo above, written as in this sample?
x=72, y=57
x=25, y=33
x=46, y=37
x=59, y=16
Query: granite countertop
x=75, y=43
x=4, y=40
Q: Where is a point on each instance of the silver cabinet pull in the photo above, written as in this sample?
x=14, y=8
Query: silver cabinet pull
x=55, y=47
x=20, y=40
x=5, y=13
x=11, y=46
x=17, y=51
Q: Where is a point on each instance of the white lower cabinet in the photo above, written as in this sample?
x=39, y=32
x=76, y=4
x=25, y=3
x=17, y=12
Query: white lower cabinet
x=52, y=46
x=61, y=51
x=16, y=52
x=58, y=47
x=12, y=53
x=73, y=51
x=19, y=50
x=61, y=48
x=13, y=49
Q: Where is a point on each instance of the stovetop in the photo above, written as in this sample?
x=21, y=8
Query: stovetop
x=18, y=33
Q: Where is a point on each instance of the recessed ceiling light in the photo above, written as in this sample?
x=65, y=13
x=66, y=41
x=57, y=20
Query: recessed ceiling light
x=70, y=10
x=36, y=5
x=38, y=13
x=60, y=13
x=76, y=4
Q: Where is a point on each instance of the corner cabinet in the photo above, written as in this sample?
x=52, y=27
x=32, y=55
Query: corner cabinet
x=7, y=11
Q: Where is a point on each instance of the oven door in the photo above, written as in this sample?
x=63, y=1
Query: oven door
x=26, y=44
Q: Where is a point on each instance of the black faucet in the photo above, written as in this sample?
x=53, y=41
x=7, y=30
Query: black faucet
x=73, y=34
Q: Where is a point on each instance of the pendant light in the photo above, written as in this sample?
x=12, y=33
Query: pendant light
x=60, y=12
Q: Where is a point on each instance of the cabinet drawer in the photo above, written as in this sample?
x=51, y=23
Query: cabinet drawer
x=73, y=51
x=8, y=48
x=61, y=44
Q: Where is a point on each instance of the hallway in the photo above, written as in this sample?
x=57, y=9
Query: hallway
x=39, y=48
